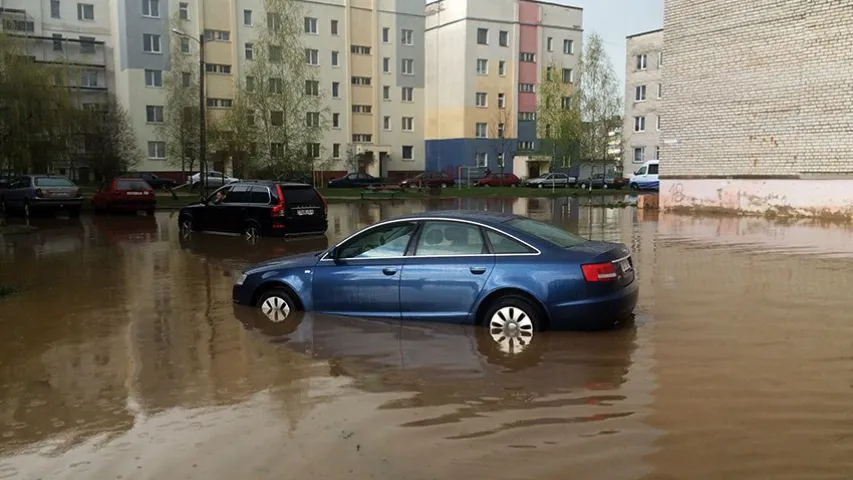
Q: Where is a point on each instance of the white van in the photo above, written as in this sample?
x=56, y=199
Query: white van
x=646, y=177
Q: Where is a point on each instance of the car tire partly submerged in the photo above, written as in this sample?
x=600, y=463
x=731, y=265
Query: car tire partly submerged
x=511, y=322
x=276, y=304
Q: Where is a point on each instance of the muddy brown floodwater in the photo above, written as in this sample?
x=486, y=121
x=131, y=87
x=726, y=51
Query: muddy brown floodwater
x=123, y=357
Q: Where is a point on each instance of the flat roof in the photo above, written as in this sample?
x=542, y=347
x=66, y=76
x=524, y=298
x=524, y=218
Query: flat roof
x=645, y=33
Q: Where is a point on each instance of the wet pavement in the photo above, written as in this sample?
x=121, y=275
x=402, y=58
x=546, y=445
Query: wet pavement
x=123, y=357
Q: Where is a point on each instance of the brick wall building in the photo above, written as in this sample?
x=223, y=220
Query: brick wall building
x=758, y=107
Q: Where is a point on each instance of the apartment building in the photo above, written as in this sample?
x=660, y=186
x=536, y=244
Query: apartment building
x=485, y=59
x=641, y=129
x=747, y=129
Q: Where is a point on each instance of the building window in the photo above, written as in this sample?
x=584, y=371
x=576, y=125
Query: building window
x=336, y=150
x=527, y=88
x=250, y=51
x=527, y=57
x=482, y=159
x=363, y=81
x=217, y=35
x=501, y=130
x=184, y=11
x=157, y=150
x=57, y=42
x=274, y=23
x=408, y=94
x=312, y=88
x=333, y=28
x=276, y=150
x=660, y=59
x=500, y=159
x=151, y=43
x=386, y=35
x=217, y=68
x=312, y=56
x=657, y=153
x=660, y=90
x=89, y=78
x=548, y=73
x=481, y=131
x=386, y=65
x=335, y=61
x=640, y=93
x=362, y=109
x=220, y=102
x=54, y=8
x=386, y=93
x=187, y=78
x=641, y=62
x=277, y=118
x=657, y=123
x=247, y=18
x=153, y=78
x=85, y=11
x=408, y=66
x=566, y=102
x=502, y=68
x=407, y=37
x=360, y=50
x=312, y=119
x=568, y=75
x=526, y=116
x=154, y=114
x=526, y=145
x=151, y=8
x=408, y=124
x=336, y=120
x=568, y=47
x=481, y=99
x=336, y=90
x=550, y=44
x=501, y=100
x=483, y=36
x=276, y=85
x=408, y=152
x=386, y=123
x=639, y=124
x=362, y=138
x=482, y=66
x=639, y=154
x=185, y=45
x=311, y=25
x=503, y=38
x=313, y=150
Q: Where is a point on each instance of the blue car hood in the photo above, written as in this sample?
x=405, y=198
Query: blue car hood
x=302, y=260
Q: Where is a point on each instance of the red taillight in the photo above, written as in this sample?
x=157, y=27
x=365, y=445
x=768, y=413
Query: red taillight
x=278, y=210
x=39, y=193
x=599, y=272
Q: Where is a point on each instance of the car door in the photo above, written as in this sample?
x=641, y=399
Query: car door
x=213, y=215
x=363, y=277
x=446, y=272
x=652, y=178
x=639, y=177
x=232, y=211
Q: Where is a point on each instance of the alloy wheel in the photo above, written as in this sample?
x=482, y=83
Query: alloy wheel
x=251, y=234
x=511, y=328
x=276, y=309
x=26, y=209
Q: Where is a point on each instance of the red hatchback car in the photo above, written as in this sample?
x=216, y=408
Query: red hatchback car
x=499, y=180
x=125, y=194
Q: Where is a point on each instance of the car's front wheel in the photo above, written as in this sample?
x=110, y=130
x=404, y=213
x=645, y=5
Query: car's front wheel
x=635, y=187
x=511, y=322
x=277, y=304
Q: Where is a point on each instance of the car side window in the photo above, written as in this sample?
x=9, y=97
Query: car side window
x=450, y=238
x=503, y=245
x=219, y=195
x=641, y=171
x=379, y=242
x=238, y=194
x=260, y=195
x=653, y=169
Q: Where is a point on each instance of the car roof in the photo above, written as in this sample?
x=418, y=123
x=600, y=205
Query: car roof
x=127, y=179
x=272, y=182
x=487, y=218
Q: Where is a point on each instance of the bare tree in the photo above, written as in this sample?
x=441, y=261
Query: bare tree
x=502, y=144
x=111, y=141
x=235, y=135
x=559, y=118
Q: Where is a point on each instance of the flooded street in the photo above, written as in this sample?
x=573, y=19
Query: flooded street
x=123, y=357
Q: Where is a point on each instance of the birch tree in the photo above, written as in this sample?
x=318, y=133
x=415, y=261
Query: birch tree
x=559, y=118
x=599, y=101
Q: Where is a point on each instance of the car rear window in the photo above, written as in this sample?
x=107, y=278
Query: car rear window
x=53, y=182
x=131, y=185
x=547, y=232
x=300, y=194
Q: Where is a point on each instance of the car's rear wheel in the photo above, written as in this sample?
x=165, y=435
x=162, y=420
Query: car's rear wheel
x=251, y=232
x=277, y=304
x=635, y=187
x=186, y=225
x=512, y=321
x=443, y=185
x=540, y=186
x=150, y=211
x=27, y=211
x=583, y=186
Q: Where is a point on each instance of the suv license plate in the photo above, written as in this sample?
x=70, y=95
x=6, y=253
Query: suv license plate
x=305, y=212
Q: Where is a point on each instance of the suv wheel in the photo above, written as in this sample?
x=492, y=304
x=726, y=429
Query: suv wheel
x=251, y=232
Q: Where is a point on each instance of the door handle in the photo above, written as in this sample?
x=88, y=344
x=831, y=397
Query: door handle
x=389, y=271
x=478, y=270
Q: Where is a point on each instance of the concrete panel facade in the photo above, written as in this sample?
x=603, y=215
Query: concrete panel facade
x=643, y=69
x=756, y=113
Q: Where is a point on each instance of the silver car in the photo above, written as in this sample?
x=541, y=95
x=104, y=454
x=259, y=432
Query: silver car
x=212, y=179
x=552, y=180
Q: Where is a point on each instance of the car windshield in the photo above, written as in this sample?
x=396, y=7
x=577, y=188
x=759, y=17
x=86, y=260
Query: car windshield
x=549, y=233
x=131, y=185
x=53, y=182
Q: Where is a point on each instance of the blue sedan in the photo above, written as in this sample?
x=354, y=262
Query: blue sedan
x=512, y=273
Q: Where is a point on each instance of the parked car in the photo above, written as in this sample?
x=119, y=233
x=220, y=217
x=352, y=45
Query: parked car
x=157, y=183
x=512, y=273
x=30, y=194
x=355, y=180
x=213, y=179
x=552, y=180
x=598, y=180
x=499, y=180
x=258, y=208
x=617, y=182
x=5, y=181
x=125, y=194
x=429, y=179
x=646, y=177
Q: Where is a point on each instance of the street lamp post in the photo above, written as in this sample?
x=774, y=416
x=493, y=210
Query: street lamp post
x=202, y=127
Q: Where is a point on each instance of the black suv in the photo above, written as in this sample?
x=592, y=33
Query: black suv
x=259, y=208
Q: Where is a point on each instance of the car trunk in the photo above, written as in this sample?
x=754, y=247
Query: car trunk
x=615, y=253
x=304, y=208
x=133, y=191
x=56, y=188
